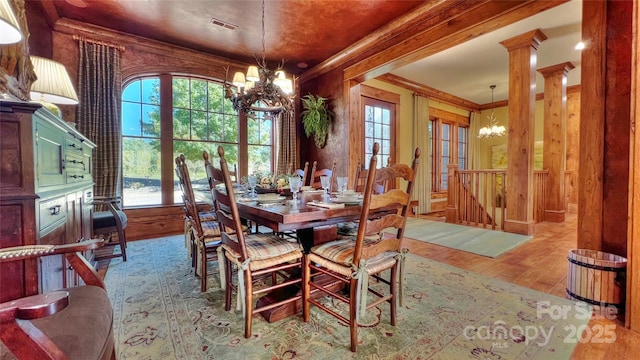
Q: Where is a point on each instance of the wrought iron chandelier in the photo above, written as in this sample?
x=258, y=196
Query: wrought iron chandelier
x=262, y=89
x=492, y=129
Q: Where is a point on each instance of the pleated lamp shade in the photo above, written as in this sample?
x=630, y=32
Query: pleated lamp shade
x=53, y=84
x=9, y=28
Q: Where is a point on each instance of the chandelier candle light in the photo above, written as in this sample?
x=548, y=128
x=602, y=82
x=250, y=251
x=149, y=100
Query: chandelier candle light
x=262, y=89
x=492, y=129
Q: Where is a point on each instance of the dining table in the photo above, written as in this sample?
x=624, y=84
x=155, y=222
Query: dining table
x=307, y=216
x=312, y=222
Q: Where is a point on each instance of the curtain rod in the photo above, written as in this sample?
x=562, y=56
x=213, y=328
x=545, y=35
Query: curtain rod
x=119, y=47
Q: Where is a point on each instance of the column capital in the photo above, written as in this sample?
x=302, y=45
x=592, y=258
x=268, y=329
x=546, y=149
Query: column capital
x=563, y=68
x=532, y=38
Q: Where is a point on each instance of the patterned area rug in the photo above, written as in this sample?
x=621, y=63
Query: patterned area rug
x=479, y=241
x=448, y=313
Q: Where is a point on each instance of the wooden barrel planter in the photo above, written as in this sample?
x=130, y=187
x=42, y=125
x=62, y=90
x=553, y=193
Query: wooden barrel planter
x=597, y=278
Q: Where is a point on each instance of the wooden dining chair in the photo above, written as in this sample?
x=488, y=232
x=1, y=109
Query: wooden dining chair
x=300, y=172
x=314, y=178
x=253, y=255
x=353, y=260
x=232, y=173
x=361, y=177
x=203, y=229
x=110, y=222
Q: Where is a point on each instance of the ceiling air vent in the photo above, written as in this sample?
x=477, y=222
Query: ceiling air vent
x=222, y=23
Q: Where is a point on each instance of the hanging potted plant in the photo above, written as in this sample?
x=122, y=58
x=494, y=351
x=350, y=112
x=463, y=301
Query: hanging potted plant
x=316, y=118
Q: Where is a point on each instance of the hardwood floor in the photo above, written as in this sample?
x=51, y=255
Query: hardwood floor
x=541, y=264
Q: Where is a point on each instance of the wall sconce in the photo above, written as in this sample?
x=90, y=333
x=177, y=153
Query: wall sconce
x=53, y=85
x=9, y=28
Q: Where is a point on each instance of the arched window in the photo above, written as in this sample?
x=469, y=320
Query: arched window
x=200, y=118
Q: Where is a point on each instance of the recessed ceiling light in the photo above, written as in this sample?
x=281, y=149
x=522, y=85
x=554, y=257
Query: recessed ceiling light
x=580, y=46
x=302, y=65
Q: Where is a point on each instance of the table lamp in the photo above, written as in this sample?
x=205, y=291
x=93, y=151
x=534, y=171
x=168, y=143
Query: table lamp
x=53, y=85
x=9, y=28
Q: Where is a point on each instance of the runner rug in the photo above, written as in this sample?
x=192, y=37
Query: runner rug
x=448, y=313
x=490, y=243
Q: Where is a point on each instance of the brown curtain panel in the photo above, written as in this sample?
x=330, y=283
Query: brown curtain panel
x=285, y=142
x=98, y=115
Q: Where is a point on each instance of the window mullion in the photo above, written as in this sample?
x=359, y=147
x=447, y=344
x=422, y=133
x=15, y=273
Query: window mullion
x=166, y=139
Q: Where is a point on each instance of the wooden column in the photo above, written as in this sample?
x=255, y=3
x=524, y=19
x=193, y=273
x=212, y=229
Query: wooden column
x=522, y=86
x=555, y=131
x=605, y=111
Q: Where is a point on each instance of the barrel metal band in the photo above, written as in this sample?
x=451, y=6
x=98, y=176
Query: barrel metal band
x=593, y=302
x=596, y=267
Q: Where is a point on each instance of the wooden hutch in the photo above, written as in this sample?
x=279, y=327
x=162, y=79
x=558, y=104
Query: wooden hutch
x=46, y=194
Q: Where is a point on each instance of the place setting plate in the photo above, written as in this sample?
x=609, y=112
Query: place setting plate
x=270, y=198
x=347, y=200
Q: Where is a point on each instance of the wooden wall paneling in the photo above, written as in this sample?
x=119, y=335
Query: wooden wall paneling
x=632, y=312
x=148, y=223
x=555, y=129
x=521, y=130
x=617, y=126
x=604, y=139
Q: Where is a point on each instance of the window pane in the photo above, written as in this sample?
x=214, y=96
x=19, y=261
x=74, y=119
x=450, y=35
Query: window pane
x=231, y=128
x=368, y=129
x=132, y=92
x=131, y=124
x=180, y=89
x=377, y=130
x=368, y=113
x=386, y=118
x=386, y=148
x=151, y=91
x=386, y=132
x=259, y=159
x=253, y=131
x=216, y=123
x=216, y=97
x=198, y=95
x=377, y=115
x=141, y=172
x=181, y=124
x=445, y=148
x=445, y=131
x=198, y=125
x=151, y=120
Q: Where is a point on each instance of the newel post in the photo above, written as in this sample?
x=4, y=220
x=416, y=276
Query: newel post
x=452, y=207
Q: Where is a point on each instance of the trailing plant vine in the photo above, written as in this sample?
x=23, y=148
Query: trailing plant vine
x=316, y=118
